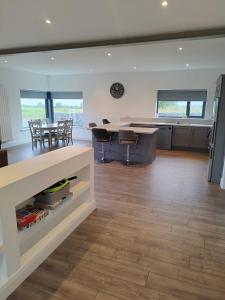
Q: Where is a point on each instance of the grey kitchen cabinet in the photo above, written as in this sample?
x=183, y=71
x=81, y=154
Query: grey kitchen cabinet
x=164, y=134
x=164, y=139
x=181, y=136
x=190, y=137
x=199, y=137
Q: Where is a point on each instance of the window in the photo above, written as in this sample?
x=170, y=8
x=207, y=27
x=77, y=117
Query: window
x=172, y=109
x=181, y=103
x=54, y=106
x=68, y=109
x=32, y=109
x=196, y=109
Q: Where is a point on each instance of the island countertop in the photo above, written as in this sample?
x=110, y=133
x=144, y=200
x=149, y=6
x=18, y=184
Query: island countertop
x=115, y=127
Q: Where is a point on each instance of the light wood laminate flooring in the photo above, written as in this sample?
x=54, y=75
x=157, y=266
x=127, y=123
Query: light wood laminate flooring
x=158, y=233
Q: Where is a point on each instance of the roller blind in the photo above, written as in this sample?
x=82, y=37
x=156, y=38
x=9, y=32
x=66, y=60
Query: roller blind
x=67, y=95
x=33, y=94
x=54, y=95
x=182, y=95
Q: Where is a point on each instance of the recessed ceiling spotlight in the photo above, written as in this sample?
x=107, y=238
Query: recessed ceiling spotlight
x=109, y=54
x=47, y=21
x=180, y=48
x=187, y=65
x=5, y=61
x=135, y=68
x=164, y=3
x=52, y=58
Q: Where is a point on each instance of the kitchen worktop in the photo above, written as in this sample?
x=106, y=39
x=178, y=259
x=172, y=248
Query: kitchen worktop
x=115, y=127
x=171, y=124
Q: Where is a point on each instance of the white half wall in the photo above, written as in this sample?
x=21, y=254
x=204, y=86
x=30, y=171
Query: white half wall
x=139, y=99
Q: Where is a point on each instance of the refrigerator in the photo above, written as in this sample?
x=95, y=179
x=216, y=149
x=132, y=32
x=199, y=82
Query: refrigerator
x=217, y=139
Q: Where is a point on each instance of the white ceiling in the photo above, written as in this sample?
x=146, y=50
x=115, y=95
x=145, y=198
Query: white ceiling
x=200, y=54
x=22, y=22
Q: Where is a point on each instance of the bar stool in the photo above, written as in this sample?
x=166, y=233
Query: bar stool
x=91, y=125
x=128, y=138
x=102, y=136
x=105, y=121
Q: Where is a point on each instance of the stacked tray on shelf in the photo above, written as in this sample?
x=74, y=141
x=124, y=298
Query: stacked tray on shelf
x=55, y=194
x=50, y=198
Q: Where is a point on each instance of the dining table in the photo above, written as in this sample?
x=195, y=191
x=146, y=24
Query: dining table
x=51, y=129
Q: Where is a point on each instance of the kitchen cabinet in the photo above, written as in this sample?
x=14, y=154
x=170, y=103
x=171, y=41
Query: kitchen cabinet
x=164, y=140
x=199, y=137
x=181, y=136
x=164, y=134
x=190, y=137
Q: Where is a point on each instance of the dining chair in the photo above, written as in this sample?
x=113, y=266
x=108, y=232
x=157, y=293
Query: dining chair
x=69, y=131
x=61, y=132
x=36, y=133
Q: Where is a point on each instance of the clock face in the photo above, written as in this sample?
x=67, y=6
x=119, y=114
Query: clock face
x=117, y=90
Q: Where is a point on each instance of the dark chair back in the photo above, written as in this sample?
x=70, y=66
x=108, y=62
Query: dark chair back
x=105, y=121
x=127, y=135
x=3, y=158
x=91, y=125
x=101, y=135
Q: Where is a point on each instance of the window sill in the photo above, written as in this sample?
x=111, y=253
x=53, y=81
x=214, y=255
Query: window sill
x=24, y=129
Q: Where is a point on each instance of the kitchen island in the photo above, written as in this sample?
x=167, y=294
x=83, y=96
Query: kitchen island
x=144, y=152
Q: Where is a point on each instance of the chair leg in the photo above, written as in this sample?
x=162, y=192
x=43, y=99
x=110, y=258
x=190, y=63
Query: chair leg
x=103, y=152
x=128, y=154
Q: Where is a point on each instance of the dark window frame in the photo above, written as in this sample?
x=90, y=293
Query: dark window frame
x=188, y=115
x=187, y=96
x=48, y=97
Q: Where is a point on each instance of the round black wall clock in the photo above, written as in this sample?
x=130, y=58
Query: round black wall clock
x=117, y=90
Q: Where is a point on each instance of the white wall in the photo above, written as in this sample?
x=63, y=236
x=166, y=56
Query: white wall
x=14, y=81
x=139, y=99
x=140, y=92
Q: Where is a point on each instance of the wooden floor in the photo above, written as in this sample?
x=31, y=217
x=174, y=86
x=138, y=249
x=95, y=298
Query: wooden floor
x=158, y=233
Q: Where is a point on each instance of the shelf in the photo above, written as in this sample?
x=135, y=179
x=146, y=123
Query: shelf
x=54, y=237
x=80, y=188
x=29, y=236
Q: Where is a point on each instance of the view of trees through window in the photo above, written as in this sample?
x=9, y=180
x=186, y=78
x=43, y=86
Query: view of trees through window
x=196, y=108
x=172, y=109
x=62, y=109
x=181, y=109
x=32, y=109
x=68, y=109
